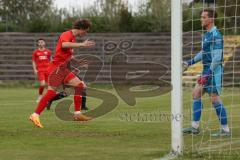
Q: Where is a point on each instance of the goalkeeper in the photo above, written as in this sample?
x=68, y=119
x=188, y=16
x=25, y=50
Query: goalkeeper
x=210, y=81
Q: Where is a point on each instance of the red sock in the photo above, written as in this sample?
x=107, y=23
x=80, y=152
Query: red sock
x=45, y=99
x=78, y=97
x=77, y=102
x=40, y=90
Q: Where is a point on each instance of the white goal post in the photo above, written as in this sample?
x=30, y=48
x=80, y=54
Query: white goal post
x=176, y=76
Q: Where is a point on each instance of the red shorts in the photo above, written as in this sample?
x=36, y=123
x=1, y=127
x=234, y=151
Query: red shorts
x=59, y=75
x=43, y=76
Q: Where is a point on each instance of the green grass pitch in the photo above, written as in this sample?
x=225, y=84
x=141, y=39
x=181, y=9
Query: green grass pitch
x=123, y=134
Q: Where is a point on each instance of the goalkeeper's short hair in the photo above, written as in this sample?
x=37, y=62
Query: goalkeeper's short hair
x=211, y=12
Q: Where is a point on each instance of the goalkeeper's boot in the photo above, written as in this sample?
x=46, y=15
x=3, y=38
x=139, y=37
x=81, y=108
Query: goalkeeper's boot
x=191, y=130
x=36, y=121
x=81, y=117
x=221, y=133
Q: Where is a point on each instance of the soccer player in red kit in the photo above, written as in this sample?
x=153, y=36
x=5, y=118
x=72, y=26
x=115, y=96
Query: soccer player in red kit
x=59, y=74
x=40, y=60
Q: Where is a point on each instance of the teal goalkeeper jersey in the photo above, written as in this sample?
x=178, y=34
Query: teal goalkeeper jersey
x=211, y=55
x=212, y=50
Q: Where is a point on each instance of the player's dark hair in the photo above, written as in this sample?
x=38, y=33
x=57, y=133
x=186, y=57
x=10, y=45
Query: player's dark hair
x=40, y=39
x=211, y=12
x=82, y=24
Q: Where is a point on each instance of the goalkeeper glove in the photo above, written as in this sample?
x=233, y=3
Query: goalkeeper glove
x=202, y=80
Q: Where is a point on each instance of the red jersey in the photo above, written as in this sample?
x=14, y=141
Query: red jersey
x=63, y=54
x=42, y=59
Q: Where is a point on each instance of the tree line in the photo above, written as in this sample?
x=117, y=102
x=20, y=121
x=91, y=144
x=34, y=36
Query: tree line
x=107, y=16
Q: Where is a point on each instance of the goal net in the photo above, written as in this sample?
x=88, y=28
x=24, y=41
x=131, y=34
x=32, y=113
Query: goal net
x=228, y=23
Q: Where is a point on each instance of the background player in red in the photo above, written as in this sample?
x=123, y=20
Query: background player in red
x=60, y=74
x=40, y=60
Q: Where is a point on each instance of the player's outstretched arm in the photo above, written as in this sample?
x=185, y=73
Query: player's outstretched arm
x=195, y=59
x=75, y=65
x=82, y=62
x=85, y=44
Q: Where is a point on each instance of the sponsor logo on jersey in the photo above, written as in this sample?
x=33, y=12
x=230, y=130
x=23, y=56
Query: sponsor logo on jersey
x=42, y=57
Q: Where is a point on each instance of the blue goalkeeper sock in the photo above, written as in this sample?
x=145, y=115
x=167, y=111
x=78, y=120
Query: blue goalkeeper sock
x=197, y=109
x=221, y=112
